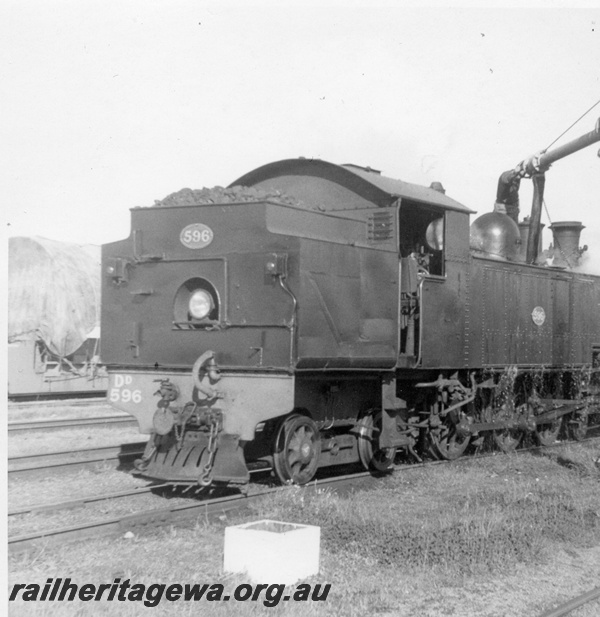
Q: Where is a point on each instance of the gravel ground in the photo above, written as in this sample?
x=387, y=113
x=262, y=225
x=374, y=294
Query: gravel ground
x=70, y=485
x=42, y=442
x=43, y=411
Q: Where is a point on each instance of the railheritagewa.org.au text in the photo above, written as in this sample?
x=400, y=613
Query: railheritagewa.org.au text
x=151, y=595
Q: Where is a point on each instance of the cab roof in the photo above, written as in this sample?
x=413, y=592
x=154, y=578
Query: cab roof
x=327, y=186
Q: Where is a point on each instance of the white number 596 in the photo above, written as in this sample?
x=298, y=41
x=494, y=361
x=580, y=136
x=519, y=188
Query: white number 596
x=125, y=395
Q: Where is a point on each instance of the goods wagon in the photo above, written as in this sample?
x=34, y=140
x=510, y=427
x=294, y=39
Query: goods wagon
x=53, y=319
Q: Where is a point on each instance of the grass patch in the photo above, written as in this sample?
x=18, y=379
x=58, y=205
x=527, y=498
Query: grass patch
x=470, y=519
x=584, y=459
x=430, y=542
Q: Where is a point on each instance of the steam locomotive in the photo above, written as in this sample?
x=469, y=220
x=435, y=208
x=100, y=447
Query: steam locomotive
x=314, y=314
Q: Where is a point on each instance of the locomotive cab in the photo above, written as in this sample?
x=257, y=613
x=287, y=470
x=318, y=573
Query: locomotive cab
x=421, y=248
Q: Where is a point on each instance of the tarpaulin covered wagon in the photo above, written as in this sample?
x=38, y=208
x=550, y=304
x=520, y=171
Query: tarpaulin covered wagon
x=53, y=318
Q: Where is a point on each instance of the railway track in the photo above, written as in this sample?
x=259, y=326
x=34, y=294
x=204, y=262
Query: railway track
x=43, y=464
x=69, y=504
x=81, y=502
x=26, y=402
x=52, y=425
x=207, y=507
x=176, y=513
x=121, y=524
x=156, y=517
x=573, y=603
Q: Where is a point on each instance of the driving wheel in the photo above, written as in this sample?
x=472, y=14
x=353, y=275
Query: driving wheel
x=371, y=455
x=297, y=449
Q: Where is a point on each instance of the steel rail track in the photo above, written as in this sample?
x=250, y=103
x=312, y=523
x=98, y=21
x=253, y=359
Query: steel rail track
x=121, y=524
x=572, y=604
x=160, y=516
x=49, y=425
x=209, y=507
x=72, y=459
x=15, y=402
x=81, y=501
x=84, y=501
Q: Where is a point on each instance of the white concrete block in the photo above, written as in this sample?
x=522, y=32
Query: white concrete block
x=272, y=552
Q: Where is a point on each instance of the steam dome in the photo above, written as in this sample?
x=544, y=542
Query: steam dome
x=495, y=235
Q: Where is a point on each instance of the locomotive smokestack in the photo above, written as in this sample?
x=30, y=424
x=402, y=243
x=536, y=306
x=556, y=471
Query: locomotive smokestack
x=566, y=235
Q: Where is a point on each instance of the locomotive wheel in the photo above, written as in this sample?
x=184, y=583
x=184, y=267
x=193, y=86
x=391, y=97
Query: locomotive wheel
x=297, y=450
x=578, y=427
x=371, y=455
x=546, y=434
x=508, y=439
x=448, y=442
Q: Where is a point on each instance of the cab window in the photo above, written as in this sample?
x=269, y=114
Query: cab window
x=421, y=230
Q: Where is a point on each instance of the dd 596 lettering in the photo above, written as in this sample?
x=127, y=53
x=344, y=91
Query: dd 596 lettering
x=121, y=392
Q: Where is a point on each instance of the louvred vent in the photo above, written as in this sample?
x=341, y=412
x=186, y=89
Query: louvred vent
x=380, y=226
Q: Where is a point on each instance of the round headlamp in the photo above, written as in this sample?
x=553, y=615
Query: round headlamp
x=201, y=304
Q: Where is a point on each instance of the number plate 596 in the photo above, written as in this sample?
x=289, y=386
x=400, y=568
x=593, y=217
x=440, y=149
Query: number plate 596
x=196, y=236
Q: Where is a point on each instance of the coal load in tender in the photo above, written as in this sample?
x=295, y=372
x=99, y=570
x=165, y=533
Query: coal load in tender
x=219, y=195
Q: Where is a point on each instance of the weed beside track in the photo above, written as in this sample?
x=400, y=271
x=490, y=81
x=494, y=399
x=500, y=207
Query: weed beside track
x=504, y=535
x=468, y=518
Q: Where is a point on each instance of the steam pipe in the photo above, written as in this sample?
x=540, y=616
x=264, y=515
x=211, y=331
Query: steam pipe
x=541, y=162
x=533, y=240
x=507, y=197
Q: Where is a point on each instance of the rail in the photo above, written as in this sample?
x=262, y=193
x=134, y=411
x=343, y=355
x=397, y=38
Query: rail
x=205, y=507
x=50, y=425
x=572, y=604
x=152, y=518
x=72, y=459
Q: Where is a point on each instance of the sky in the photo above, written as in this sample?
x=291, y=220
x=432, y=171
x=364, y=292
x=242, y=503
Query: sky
x=111, y=105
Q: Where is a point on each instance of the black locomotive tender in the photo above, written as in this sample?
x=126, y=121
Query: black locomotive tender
x=315, y=314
